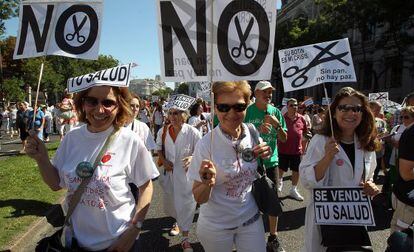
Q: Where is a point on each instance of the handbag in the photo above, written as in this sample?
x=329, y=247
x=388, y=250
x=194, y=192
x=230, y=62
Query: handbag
x=346, y=238
x=263, y=189
x=57, y=241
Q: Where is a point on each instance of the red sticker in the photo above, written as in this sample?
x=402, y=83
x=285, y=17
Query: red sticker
x=106, y=158
x=339, y=162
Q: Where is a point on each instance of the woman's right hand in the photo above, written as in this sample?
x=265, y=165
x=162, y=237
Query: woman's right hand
x=207, y=172
x=331, y=148
x=35, y=148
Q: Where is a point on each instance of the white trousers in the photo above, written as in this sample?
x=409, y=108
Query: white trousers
x=246, y=239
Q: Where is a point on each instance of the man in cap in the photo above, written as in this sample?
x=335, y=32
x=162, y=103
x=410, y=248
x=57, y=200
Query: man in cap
x=272, y=127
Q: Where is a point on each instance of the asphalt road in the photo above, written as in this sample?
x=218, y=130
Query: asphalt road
x=155, y=236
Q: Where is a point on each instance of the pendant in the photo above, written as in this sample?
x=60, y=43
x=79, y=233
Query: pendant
x=248, y=154
x=84, y=169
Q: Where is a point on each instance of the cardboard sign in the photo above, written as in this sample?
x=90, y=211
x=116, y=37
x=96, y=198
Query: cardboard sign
x=180, y=102
x=205, y=87
x=216, y=40
x=65, y=28
x=342, y=206
x=326, y=101
x=311, y=65
x=390, y=106
x=116, y=76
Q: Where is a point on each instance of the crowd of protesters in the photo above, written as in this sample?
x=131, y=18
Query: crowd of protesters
x=298, y=137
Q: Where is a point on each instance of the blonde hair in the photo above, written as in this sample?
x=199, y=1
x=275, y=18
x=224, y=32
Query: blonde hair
x=225, y=87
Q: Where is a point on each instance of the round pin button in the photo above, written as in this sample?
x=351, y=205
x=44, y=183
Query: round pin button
x=248, y=154
x=84, y=169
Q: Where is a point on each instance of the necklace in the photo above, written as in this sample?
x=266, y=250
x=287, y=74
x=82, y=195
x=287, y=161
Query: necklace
x=347, y=142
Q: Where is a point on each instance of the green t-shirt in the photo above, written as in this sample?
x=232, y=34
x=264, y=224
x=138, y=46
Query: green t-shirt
x=256, y=117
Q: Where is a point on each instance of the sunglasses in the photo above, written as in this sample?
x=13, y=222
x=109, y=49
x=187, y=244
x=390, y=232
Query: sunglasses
x=404, y=117
x=293, y=105
x=346, y=108
x=238, y=107
x=93, y=102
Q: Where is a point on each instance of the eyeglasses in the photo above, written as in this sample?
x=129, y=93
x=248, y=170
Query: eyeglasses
x=238, y=107
x=93, y=102
x=346, y=108
x=404, y=117
x=293, y=105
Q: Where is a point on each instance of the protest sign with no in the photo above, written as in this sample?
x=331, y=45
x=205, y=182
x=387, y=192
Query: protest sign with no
x=216, y=40
x=311, y=65
x=342, y=206
x=116, y=76
x=65, y=28
x=180, y=102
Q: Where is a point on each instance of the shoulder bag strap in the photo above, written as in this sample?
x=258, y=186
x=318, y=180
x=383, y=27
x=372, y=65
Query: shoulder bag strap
x=77, y=195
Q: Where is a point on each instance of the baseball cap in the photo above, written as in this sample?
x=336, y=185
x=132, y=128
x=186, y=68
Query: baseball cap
x=262, y=85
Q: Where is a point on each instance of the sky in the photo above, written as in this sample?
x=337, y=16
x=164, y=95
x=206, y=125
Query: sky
x=129, y=34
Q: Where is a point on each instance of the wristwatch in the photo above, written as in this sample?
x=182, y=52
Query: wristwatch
x=139, y=225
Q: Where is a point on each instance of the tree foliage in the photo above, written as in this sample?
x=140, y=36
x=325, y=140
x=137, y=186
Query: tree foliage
x=163, y=92
x=8, y=9
x=182, y=89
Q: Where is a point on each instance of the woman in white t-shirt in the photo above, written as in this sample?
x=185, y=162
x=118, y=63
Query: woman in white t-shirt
x=197, y=119
x=175, y=153
x=106, y=217
x=223, y=170
x=157, y=118
x=144, y=114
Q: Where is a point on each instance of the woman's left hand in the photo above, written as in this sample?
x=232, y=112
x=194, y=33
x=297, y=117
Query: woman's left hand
x=125, y=241
x=370, y=188
x=186, y=162
x=262, y=150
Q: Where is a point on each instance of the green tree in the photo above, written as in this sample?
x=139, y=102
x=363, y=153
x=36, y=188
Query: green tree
x=13, y=90
x=163, y=92
x=8, y=9
x=182, y=89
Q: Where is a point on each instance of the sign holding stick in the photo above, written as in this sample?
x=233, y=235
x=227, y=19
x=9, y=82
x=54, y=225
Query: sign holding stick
x=311, y=65
x=342, y=206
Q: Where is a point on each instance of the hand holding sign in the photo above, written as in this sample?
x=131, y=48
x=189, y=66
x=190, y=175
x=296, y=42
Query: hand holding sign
x=370, y=188
x=331, y=148
x=207, y=173
x=35, y=148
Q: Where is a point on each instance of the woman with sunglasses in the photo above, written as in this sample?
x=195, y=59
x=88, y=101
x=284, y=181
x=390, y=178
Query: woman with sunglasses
x=223, y=170
x=344, y=157
x=106, y=217
x=179, y=144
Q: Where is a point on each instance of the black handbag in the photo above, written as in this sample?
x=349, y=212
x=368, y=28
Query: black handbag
x=263, y=189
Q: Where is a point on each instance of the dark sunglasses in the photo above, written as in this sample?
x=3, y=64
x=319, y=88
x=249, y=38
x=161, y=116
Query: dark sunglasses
x=293, y=105
x=238, y=107
x=93, y=102
x=347, y=108
x=404, y=117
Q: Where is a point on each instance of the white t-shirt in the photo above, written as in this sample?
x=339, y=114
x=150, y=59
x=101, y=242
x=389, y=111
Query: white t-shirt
x=158, y=117
x=231, y=202
x=107, y=205
x=144, y=116
x=145, y=135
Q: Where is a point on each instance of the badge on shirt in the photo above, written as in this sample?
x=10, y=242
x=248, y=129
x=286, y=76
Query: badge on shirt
x=84, y=169
x=248, y=154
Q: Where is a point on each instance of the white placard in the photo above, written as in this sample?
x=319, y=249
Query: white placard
x=311, y=65
x=66, y=28
x=216, y=40
x=326, y=101
x=284, y=101
x=116, y=76
x=180, y=102
x=378, y=96
x=205, y=87
x=308, y=102
x=390, y=106
x=342, y=206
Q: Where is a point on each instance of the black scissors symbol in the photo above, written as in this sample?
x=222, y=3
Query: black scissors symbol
x=71, y=36
x=236, y=51
x=294, y=70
